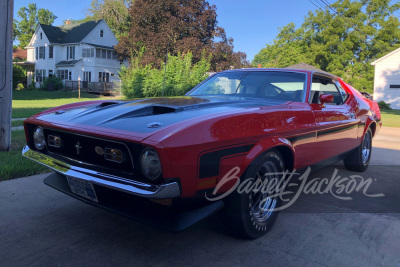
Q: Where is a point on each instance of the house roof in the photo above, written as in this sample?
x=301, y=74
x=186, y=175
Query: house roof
x=385, y=56
x=70, y=33
x=99, y=46
x=20, y=53
x=67, y=62
x=304, y=66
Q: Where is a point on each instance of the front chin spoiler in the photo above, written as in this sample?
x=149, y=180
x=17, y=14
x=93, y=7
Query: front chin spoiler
x=137, y=208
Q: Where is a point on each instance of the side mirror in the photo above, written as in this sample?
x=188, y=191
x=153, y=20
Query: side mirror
x=325, y=98
x=367, y=96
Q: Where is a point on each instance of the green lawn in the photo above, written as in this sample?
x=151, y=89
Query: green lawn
x=17, y=123
x=391, y=118
x=13, y=164
x=28, y=103
x=25, y=104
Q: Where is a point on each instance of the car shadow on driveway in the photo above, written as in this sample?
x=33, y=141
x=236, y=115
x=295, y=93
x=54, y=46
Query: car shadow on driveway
x=40, y=226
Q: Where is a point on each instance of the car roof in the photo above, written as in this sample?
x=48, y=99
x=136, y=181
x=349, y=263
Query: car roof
x=281, y=69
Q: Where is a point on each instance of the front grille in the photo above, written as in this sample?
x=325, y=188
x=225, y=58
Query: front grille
x=83, y=149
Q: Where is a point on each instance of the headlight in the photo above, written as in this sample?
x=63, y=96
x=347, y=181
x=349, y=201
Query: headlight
x=38, y=138
x=150, y=164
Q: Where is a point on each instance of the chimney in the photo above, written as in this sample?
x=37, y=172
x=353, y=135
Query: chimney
x=67, y=22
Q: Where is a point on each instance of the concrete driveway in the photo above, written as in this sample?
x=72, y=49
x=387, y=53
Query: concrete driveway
x=40, y=226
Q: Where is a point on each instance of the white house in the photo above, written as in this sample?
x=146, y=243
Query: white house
x=387, y=79
x=70, y=51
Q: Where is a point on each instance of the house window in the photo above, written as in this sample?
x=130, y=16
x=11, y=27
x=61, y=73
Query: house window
x=88, y=52
x=101, y=33
x=70, y=76
x=87, y=76
x=50, y=73
x=62, y=74
x=41, y=36
x=105, y=53
x=395, y=86
x=104, y=77
x=40, y=52
x=40, y=75
x=70, y=52
x=51, y=51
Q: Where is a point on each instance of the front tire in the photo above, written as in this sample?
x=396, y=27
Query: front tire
x=358, y=160
x=251, y=215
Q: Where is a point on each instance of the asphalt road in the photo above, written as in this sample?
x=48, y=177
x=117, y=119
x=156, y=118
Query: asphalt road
x=42, y=227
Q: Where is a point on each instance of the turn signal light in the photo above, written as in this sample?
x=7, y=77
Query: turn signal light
x=114, y=155
x=54, y=141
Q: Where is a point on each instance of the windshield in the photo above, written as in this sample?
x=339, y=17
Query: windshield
x=278, y=85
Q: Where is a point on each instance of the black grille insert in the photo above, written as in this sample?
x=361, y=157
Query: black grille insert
x=88, y=150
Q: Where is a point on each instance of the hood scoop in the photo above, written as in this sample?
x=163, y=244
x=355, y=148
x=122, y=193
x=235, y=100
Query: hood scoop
x=150, y=111
x=144, y=112
x=106, y=104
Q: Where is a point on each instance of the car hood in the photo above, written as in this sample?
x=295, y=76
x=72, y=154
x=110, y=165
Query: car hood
x=143, y=118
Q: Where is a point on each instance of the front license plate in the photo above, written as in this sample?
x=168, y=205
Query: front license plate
x=83, y=188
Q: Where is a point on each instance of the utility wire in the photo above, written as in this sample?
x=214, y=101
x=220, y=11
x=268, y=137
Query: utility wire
x=326, y=3
x=318, y=7
x=355, y=27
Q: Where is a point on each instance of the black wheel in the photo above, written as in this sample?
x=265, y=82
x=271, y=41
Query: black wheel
x=358, y=159
x=252, y=214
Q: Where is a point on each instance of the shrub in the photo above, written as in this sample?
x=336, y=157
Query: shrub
x=31, y=87
x=57, y=82
x=384, y=106
x=181, y=76
x=19, y=75
x=20, y=87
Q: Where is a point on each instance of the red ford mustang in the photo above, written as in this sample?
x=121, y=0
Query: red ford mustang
x=157, y=160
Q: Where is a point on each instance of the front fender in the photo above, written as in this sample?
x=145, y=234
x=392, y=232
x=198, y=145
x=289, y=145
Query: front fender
x=282, y=144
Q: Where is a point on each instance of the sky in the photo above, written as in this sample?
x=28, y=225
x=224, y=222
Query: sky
x=252, y=23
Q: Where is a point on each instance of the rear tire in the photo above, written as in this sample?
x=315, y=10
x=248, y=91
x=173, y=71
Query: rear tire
x=358, y=160
x=251, y=215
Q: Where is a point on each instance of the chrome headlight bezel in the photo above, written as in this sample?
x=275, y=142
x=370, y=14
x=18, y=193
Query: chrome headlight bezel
x=39, y=139
x=150, y=164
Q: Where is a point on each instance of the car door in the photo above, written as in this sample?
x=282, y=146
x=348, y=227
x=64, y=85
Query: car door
x=337, y=126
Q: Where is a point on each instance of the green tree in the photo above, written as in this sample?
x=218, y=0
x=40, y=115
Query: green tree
x=31, y=17
x=179, y=26
x=343, y=39
x=15, y=30
x=19, y=75
x=114, y=12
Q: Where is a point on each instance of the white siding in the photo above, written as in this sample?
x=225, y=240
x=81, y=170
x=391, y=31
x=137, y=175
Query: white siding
x=94, y=65
x=387, y=72
x=108, y=38
x=36, y=41
x=30, y=54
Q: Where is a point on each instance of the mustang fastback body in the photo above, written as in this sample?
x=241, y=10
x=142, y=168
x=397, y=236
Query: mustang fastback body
x=178, y=149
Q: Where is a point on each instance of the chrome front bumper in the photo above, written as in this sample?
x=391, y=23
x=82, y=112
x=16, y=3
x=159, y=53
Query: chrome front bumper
x=169, y=190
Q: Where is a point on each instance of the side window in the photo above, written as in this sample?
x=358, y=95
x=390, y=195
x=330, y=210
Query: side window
x=342, y=92
x=321, y=85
